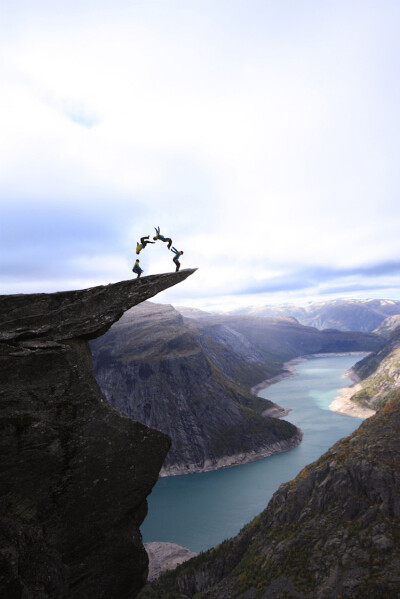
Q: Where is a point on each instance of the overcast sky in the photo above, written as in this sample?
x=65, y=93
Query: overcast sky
x=263, y=136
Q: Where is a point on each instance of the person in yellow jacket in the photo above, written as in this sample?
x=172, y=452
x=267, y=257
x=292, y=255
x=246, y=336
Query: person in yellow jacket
x=143, y=242
x=159, y=236
x=136, y=268
x=175, y=259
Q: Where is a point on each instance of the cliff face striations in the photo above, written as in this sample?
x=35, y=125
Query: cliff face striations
x=331, y=532
x=74, y=472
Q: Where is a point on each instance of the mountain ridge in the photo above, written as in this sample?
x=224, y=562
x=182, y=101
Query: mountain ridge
x=345, y=315
x=149, y=366
x=150, y=369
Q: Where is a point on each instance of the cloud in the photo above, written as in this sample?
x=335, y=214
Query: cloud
x=77, y=112
x=254, y=136
x=306, y=278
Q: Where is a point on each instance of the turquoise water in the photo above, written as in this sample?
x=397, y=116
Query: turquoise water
x=199, y=511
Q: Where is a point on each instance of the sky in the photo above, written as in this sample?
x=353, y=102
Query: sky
x=262, y=136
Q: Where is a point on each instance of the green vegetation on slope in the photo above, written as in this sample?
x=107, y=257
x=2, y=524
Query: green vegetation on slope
x=334, y=531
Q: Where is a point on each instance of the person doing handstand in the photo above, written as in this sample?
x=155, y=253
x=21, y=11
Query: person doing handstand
x=136, y=268
x=143, y=242
x=175, y=259
x=159, y=236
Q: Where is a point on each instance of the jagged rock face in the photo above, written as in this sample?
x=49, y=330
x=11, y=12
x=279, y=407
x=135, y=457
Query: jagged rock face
x=74, y=472
x=380, y=374
x=159, y=371
x=331, y=532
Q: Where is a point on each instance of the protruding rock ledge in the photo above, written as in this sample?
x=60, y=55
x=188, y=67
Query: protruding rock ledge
x=74, y=472
x=83, y=314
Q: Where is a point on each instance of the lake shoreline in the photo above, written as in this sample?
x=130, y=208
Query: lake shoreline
x=234, y=496
x=342, y=403
x=289, y=369
x=236, y=459
x=342, y=406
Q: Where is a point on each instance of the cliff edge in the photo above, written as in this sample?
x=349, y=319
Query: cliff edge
x=74, y=472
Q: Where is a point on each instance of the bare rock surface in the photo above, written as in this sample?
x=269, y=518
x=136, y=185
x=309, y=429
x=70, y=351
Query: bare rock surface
x=74, y=472
x=165, y=556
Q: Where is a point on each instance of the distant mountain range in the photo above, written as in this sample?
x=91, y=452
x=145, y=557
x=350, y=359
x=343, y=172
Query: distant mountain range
x=343, y=315
x=191, y=378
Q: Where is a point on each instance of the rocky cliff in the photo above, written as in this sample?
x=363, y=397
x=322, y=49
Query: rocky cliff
x=331, y=532
x=388, y=326
x=74, y=472
x=160, y=371
x=379, y=373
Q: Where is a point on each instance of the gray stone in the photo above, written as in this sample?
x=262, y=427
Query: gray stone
x=74, y=472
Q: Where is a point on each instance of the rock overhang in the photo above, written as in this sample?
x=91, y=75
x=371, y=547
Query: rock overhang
x=83, y=314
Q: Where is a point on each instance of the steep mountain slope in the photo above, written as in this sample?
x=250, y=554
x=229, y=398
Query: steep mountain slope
x=380, y=374
x=282, y=339
x=344, y=315
x=388, y=326
x=161, y=371
x=74, y=473
x=334, y=531
x=191, y=378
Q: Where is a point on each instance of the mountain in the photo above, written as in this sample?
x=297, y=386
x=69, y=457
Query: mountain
x=379, y=373
x=343, y=315
x=388, y=326
x=331, y=532
x=191, y=378
x=162, y=371
x=284, y=338
x=74, y=472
